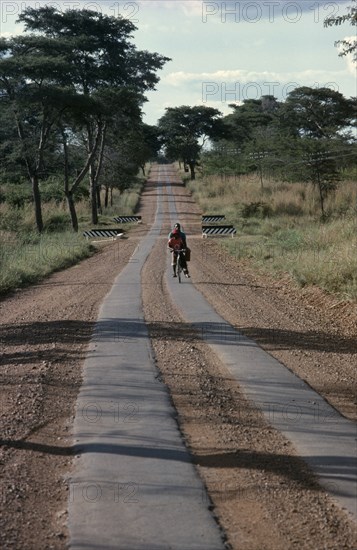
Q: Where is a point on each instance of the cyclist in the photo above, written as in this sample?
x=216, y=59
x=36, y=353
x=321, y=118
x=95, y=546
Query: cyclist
x=177, y=241
x=182, y=234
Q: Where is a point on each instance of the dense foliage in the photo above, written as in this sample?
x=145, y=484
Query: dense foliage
x=72, y=87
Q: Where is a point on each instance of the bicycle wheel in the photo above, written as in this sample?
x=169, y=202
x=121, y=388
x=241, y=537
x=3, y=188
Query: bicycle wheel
x=179, y=268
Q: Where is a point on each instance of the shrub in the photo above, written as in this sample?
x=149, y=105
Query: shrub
x=57, y=222
x=10, y=219
x=52, y=190
x=288, y=239
x=17, y=195
x=288, y=208
x=256, y=210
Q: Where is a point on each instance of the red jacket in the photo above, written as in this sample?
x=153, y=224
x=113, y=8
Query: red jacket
x=176, y=243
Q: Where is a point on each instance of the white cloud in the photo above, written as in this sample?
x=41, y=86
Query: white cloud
x=222, y=87
x=351, y=64
x=243, y=76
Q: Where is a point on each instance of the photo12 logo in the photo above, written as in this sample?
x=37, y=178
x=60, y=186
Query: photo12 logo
x=236, y=91
x=253, y=12
x=127, y=10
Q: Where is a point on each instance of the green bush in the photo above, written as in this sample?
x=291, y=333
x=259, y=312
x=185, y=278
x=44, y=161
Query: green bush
x=256, y=210
x=52, y=190
x=10, y=219
x=288, y=239
x=17, y=195
x=57, y=222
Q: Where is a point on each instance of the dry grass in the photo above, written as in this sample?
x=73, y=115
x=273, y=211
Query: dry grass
x=26, y=256
x=280, y=229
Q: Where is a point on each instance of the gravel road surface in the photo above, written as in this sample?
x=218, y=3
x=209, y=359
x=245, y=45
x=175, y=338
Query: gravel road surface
x=264, y=496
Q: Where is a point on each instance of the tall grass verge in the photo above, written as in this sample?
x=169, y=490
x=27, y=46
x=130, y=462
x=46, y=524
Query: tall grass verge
x=27, y=257
x=279, y=229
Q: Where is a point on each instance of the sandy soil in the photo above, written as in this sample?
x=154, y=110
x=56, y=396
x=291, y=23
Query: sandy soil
x=261, y=492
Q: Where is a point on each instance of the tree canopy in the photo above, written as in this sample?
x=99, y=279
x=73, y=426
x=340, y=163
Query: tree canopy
x=181, y=129
x=70, y=75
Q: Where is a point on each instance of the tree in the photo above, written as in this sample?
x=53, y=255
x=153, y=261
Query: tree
x=317, y=112
x=36, y=94
x=103, y=57
x=150, y=145
x=320, y=167
x=349, y=46
x=71, y=57
x=246, y=119
x=122, y=156
x=12, y=167
x=77, y=118
x=181, y=129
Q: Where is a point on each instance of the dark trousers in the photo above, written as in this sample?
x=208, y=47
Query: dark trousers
x=183, y=260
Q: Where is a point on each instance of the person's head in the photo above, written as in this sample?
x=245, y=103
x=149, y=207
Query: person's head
x=177, y=226
x=176, y=232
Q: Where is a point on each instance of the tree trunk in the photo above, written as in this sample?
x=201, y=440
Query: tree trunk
x=143, y=169
x=192, y=169
x=321, y=194
x=92, y=179
x=106, y=197
x=85, y=168
x=72, y=210
x=32, y=173
x=68, y=193
x=111, y=196
x=93, y=197
x=261, y=176
x=37, y=201
x=99, y=202
x=94, y=172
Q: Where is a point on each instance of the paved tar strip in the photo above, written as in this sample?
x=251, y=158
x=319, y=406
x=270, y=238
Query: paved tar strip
x=322, y=437
x=134, y=486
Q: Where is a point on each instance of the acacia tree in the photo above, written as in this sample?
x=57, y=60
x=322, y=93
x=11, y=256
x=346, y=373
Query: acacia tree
x=320, y=168
x=306, y=137
x=34, y=85
x=117, y=159
x=102, y=58
x=68, y=129
x=252, y=116
x=317, y=112
x=181, y=128
x=319, y=121
x=77, y=54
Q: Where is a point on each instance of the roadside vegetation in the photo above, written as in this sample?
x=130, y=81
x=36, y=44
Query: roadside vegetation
x=72, y=137
x=27, y=256
x=283, y=172
x=280, y=230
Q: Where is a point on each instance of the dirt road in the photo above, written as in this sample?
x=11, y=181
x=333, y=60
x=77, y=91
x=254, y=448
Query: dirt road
x=263, y=494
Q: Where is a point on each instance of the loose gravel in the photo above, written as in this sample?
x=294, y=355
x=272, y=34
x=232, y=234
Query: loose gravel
x=261, y=492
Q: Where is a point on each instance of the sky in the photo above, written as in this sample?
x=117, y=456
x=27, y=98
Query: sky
x=225, y=52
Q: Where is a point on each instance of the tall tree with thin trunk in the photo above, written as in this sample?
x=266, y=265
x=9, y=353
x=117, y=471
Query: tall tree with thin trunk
x=103, y=57
x=29, y=83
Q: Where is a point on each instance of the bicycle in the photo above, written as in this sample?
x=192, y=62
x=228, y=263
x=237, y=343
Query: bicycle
x=179, y=263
